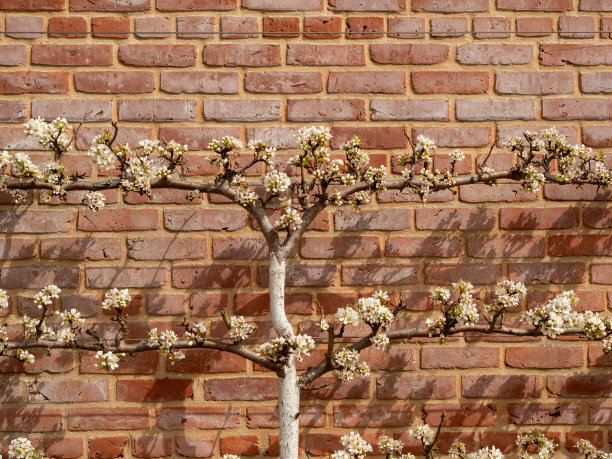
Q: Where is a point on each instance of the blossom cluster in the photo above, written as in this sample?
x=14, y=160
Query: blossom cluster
x=545, y=446
x=108, y=361
x=165, y=340
x=461, y=311
x=116, y=299
x=21, y=448
x=355, y=447
x=347, y=366
x=279, y=349
x=240, y=329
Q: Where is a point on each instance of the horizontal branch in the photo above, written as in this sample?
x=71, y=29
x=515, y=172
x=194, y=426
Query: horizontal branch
x=144, y=345
x=326, y=366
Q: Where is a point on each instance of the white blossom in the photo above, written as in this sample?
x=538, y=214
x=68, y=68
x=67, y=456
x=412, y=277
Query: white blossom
x=289, y=219
x=196, y=333
x=422, y=433
x=107, y=361
x=487, y=453
x=225, y=143
x=280, y=348
x=45, y=297
x=116, y=299
x=94, y=200
x=240, y=329
x=276, y=182
x=347, y=316
x=355, y=447
x=312, y=137
x=24, y=356
x=380, y=340
x=4, y=299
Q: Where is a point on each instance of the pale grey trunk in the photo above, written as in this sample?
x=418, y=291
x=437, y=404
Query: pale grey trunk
x=289, y=392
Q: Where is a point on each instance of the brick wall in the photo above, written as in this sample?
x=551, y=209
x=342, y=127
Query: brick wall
x=463, y=72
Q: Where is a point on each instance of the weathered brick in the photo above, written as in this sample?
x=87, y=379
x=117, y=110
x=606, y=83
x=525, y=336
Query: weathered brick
x=492, y=27
x=255, y=389
x=459, y=357
x=583, y=245
x=451, y=219
x=204, y=219
x=28, y=420
x=321, y=27
x=577, y=109
x=211, y=276
x=195, y=446
x=199, y=82
x=495, y=109
x=325, y=110
x=154, y=390
x=596, y=82
x=365, y=27
x=535, y=5
x=575, y=54
x=67, y=448
x=32, y=5
x=597, y=217
x=39, y=277
x=548, y=357
x=281, y=27
x=410, y=109
x=33, y=82
x=107, y=447
x=156, y=110
x=370, y=274
x=547, y=273
x=448, y=26
x=25, y=27
x=535, y=27
x=86, y=419
x=153, y=27
x=118, y=220
x=78, y=391
x=74, y=110
x=242, y=110
x=534, y=218
x=490, y=54
x=142, y=277
x=577, y=27
x=162, y=55
x=450, y=82
x=114, y=82
x=413, y=54
x=580, y=386
x=372, y=5
x=511, y=246
x=67, y=27
x=601, y=273
x=594, y=5
x=169, y=248
x=239, y=27
x=536, y=83
x=406, y=27
x=311, y=55
x=383, y=138
x=152, y=446
x=383, y=220
x=283, y=5
x=110, y=5
x=77, y=248
x=367, y=82
x=372, y=416
x=71, y=55
x=110, y=27
x=239, y=248
x=464, y=414
x=195, y=5
x=242, y=55
x=500, y=386
x=447, y=273
x=430, y=246
x=195, y=27
x=16, y=248
x=341, y=247
x=283, y=82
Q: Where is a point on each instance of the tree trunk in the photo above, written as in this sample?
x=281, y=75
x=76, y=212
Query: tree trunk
x=289, y=392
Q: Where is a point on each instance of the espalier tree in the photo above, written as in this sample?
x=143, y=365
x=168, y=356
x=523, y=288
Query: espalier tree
x=317, y=182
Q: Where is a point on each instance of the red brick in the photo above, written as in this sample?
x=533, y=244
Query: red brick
x=341, y=247
x=367, y=82
x=500, y=386
x=313, y=55
x=374, y=138
x=372, y=416
x=107, y=447
x=207, y=304
x=242, y=55
x=535, y=5
x=479, y=274
x=410, y=109
x=325, y=110
x=140, y=363
x=156, y=390
x=199, y=82
x=200, y=418
x=370, y=274
x=283, y=82
x=242, y=110
x=492, y=27
x=13, y=111
x=108, y=277
x=443, y=357
x=534, y=218
x=412, y=54
x=211, y=276
x=84, y=419
x=465, y=414
x=322, y=27
x=76, y=248
x=71, y=55
x=549, y=357
x=10, y=391
x=110, y=27
x=196, y=5
x=536, y=83
x=596, y=438
x=601, y=273
x=406, y=27
x=365, y=27
x=283, y=5
x=372, y=220
x=197, y=138
x=585, y=245
x=162, y=55
x=68, y=391
x=25, y=27
x=416, y=387
x=156, y=110
x=597, y=82
x=165, y=304
x=580, y=386
x=489, y=54
x=451, y=219
x=55, y=362
x=149, y=446
x=195, y=446
x=153, y=27
x=495, y=109
x=547, y=273
x=28, y=420
x=239, y=248
x=475, y=136
x=16, y=248
x=577, y=109
x=168, y=248
x=332, y=388
x=266, y=417
x=39, y=277
x=66, y=448
x=33, y=82
x=556, y=192
x=67, y=27
x=504, y=441
x=32, y=5
x=255, y=389
x=74, y=110
x=575, y=54
x=208, y=361
x=450, y=82
x=450, y=6
x=11, y=55
x=372, y=5
x=430, y=246
x=246, y=445
x=204, y=219
x=587, y=299
x=118, y=220
x=568, y=26
x=534, y=27
x=595, y=5
x=114, y=82
x=511, y=246
x=236, y=27
x=130, y=135
x=448, y=27
x=110, y=5
x=606, y=28
x=598, y=217
x=281, y=27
